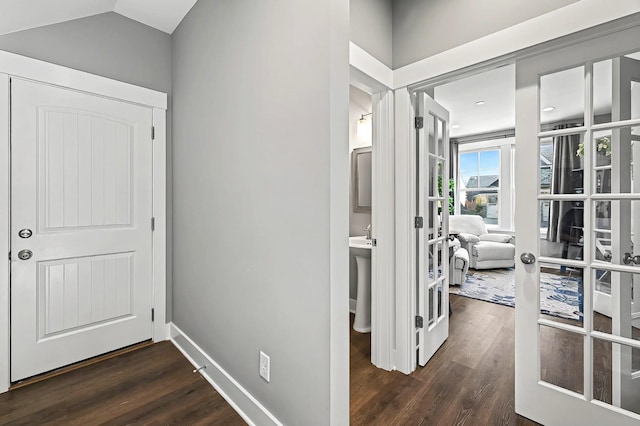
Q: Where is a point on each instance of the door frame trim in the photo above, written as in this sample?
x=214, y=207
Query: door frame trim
x=371, y=76
x=443, y=72
x=12, y=65
x=546, y=28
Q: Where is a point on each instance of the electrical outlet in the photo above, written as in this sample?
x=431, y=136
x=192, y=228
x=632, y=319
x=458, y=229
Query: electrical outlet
x=265, y=366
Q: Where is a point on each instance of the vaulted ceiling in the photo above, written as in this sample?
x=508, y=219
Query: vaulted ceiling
x=18, y=15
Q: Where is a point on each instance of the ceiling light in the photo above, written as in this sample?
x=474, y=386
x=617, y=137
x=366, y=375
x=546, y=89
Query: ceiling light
x=455, y=126
x=481, y=102
x=548, y=109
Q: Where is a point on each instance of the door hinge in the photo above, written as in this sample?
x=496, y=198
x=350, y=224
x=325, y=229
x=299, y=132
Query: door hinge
x=374, y=242
x=419, y=122
x=418, y=222
x=153, y=224
x=419, y=321
x=153, y=133
x=153, y=314
x=9, y=256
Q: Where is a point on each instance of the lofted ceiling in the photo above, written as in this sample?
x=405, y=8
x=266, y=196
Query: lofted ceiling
x=18, y=15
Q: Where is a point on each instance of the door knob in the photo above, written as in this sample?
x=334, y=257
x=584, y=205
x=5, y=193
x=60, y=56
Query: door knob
x=25, y=254
x=627, y=258
x=527, y=258
x=636, y=259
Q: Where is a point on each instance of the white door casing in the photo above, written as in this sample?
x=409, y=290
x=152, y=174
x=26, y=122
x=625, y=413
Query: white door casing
x=82, y=183
x=432, y=283
x=603, y=245
x=382, y=215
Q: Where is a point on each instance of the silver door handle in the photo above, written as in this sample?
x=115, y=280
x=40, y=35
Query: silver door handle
x=527, y=258
x=25, y=254
x=627, y=259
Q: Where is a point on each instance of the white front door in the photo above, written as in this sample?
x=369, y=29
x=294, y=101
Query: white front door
x=81, y=206
x=432, y=214
x=578, y=227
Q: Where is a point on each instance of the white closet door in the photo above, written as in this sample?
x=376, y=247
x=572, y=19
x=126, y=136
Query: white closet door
x=81, y=261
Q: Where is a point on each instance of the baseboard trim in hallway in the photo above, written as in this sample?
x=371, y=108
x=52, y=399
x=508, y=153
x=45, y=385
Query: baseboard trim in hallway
x=248, y=407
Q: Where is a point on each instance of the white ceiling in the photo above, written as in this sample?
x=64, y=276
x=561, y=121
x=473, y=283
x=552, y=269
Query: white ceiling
x=18, y=15
x=496, y=87
x=564, y=91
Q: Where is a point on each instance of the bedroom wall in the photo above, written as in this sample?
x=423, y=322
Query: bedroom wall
x=371, y=28
x=424, y=28
x=112, y=46
x=260, y=202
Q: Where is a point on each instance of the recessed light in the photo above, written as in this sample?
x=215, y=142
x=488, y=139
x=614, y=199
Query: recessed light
x=455, y=126
x=481, y=102
x=548, y=109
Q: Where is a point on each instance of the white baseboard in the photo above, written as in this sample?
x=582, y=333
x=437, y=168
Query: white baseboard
x=352, y=306
x=238, y=397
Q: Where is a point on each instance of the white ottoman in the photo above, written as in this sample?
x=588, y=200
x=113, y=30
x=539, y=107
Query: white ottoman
x=490, y=255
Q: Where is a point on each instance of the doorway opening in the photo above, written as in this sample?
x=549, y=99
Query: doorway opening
x=360, y=207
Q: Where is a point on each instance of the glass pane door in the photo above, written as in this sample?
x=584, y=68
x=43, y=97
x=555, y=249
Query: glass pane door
x=578, y=305
x=432, y=177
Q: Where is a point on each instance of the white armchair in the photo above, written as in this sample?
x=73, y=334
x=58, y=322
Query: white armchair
x=486, y=251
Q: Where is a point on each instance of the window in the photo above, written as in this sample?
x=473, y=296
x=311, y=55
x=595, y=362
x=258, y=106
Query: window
x=479, y=184
x=484, y=179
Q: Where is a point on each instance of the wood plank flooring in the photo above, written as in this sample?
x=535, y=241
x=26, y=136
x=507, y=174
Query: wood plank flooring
x=153, y=385
x=469, y=381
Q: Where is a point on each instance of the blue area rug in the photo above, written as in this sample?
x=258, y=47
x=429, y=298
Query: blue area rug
x=559, y=294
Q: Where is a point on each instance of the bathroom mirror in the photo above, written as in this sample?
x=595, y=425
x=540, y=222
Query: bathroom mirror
x=361, y=177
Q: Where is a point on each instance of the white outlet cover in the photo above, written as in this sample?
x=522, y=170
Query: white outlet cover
x=265, y=366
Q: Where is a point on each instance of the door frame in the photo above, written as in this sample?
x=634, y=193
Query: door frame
x=12, y=65
x=371, y=76
x=454, y=64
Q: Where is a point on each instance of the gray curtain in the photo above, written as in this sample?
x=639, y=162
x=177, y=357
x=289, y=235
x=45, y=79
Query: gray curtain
x=566, y=178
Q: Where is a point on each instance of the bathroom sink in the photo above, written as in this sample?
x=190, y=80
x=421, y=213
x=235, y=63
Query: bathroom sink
x=359, y=242
x=360, y=248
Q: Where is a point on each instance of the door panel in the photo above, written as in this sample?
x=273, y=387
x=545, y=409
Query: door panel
x=576, y=113
x=82, y=184
x=432, y=287
x=85, y=170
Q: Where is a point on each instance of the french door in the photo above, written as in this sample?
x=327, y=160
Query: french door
x=431, y=223
x=578, y=233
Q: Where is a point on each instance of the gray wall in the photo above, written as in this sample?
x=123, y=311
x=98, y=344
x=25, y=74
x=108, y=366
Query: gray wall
x=423, y=28
x=260, y=114
x=371, y=27
x=112, y=46
x=107, y=44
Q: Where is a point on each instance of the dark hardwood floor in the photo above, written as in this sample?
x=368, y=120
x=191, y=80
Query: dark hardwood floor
x=469, y=381
x=152, y=385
